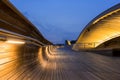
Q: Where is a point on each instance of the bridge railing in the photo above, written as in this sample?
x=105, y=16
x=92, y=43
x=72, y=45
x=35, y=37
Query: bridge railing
x=88, y=45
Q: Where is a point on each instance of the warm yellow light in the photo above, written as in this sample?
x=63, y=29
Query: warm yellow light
x=15, y=42
x=110, y=13
x=5, y=60
x=106, y=29
x=69, y=43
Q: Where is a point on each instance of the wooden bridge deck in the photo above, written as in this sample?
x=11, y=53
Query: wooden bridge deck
x=65, y=64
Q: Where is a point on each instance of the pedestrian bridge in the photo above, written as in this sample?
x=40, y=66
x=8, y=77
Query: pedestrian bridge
x=26, y=55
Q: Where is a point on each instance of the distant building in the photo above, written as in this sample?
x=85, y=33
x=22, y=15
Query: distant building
x=67, y=42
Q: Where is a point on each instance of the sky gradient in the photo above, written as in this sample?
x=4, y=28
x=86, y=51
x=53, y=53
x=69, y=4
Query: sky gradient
x=60, y=20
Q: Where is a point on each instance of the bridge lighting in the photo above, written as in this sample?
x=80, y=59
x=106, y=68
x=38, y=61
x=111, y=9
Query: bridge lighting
x=15, y=42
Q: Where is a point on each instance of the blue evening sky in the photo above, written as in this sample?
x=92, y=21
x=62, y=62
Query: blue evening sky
x=60, y=20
